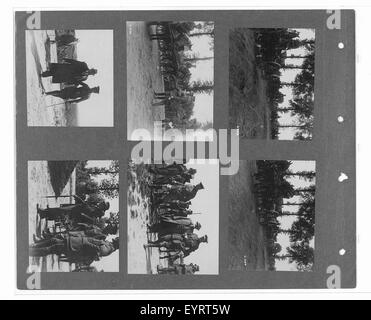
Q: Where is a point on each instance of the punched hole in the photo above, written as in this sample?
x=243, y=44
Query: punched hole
x=342, y=252
x=341, y=45
x=343, y=177
x=340, y=119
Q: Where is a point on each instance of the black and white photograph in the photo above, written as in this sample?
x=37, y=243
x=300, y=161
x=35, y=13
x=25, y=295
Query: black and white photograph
x=272, y=216
x=69, y=78
x=271, y=83
x=170, y=78
x=173, y=218
x=73, y=209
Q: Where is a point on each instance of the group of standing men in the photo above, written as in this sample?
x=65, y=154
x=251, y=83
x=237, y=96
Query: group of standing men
x=171, y=199
x=82, y=238
x=71, y=74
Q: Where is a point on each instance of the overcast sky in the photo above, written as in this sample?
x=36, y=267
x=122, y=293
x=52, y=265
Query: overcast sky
x=96, y=49
x=289, y=76
x=286, y=222
x=110, y=263
x=206, y=202
x=204, y=70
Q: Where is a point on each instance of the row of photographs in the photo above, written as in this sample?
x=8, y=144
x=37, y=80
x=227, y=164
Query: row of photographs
x=170, y=80
x=172, y=216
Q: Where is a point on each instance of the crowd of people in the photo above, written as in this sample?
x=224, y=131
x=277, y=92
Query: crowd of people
x=79, y=233
x=173, y=40
x=71, y=74
x=172, y=193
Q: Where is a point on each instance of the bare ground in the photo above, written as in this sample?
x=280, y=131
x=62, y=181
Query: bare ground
x=248, y=105
x=143, y=78
x=40, y=186
x=247, y=249
x=40, y=112
x=140, y=260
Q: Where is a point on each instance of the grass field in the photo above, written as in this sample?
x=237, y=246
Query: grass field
x=140, y=260
x=39, y=186
x=39, y=53
x=248, y=106
x=247, y=250
x=143, y=78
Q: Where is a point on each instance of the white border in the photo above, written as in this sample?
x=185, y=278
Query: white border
x=7, y=233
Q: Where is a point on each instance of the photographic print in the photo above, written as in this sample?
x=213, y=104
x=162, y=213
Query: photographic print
x=272, y=216
x=170, y=78
x=271, y=83
x=73, y=215
x=173, y=218
x=69, y=78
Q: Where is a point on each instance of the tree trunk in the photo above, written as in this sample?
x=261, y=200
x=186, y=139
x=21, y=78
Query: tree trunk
x=290, y=215
x=291, y=126
x=199, y=34
x=285, y=109
x=198, y=59
x=290, y=84
x=295, y=57
x=108, y=188
x=305, y=190
x=284, y=231
x=97, y=172
x=293, y=67
x=285, y=257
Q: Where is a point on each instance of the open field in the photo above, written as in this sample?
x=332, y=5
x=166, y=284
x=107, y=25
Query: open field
x=140, y=260
x=143, y=79
x=40, y=186
x=248, y=106
x=247, y=250
x=41, y=109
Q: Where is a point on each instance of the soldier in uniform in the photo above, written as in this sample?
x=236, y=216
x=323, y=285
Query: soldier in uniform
x=70, y=72
x=178, y=179
x=74, y=244
x=74, y=94
x=174, y=212
x=187, y=243
x=77, y=211
x=65, y=40
x=172, y=226
x=88, y=230
x=175, y=204
x=179, y=269
x=182, y=192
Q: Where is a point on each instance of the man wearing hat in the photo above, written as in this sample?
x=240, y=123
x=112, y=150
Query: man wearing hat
x=70, y=72
x=74, y=94
x=175, y=226
x=168, y=212
x=192, y=243
x=179, y=268
x=72, y=245
x=182, y=192
x=175, y=204
x=168, y=169
x=76, y=211
x=186, y=243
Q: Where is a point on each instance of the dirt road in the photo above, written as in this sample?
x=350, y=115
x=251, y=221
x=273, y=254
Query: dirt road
x=143, y=79
x=39, y=186
x=248, y=104
x=40, y=112
x=140, y=260
x=246, y=235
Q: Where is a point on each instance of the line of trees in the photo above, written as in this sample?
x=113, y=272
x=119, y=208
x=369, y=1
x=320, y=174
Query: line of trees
x=182, y=113
x=274, y=191
x=97, y=189
x=272, y=47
